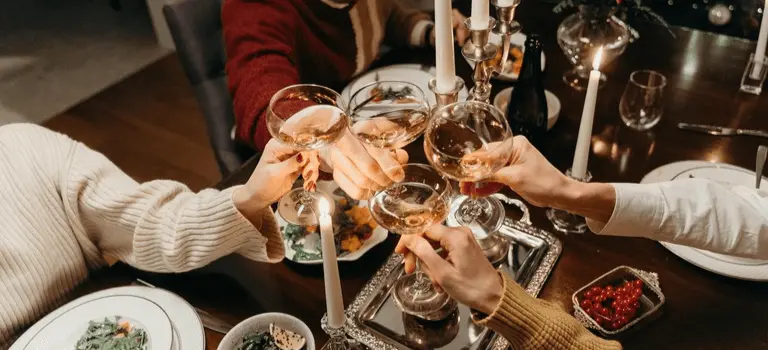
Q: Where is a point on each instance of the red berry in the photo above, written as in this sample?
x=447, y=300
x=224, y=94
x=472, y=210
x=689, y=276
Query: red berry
x=597, y=299
x=623, y=320
x=609, y=289
x=616, y=304
x=610, y=294
x=596, y=290
x=616, y=325
x=636, y=305
x=588, y=294
x=621, y=291
x=637, y=284
x=605, y=312
x=586, y=304
x=637, y=291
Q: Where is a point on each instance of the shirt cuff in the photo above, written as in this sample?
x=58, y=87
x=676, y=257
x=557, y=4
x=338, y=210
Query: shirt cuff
x=638, y=209
x=418, y=33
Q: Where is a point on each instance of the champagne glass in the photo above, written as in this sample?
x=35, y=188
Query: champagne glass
x=468, y=142
x=410, y=207
x=305, y=117
x=388, y=114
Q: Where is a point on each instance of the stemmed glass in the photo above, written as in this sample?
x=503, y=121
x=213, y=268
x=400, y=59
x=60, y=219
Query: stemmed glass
x=410, y=207
x=468, y=142
x=388, y=114
x=305, y=117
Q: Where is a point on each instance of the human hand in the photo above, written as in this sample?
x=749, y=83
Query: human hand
x=466, y=275
x=361, y=170
x=532, y=177
x=273, y=177
x=460, y=31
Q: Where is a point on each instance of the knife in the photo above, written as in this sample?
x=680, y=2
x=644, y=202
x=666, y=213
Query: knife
x=209, y=321
x=721, y=131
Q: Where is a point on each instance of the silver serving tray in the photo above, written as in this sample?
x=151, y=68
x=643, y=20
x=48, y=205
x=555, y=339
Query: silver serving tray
x=374, y=320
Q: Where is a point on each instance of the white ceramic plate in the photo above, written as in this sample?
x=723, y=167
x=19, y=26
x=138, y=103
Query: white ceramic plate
x=728, y=175
x=260, y=323
x=553, y=105
x=412, y=73
x=311, y=243
x=519, y=41
x=170, y=322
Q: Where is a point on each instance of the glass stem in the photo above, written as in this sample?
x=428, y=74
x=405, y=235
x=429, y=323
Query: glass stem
x=423, y=283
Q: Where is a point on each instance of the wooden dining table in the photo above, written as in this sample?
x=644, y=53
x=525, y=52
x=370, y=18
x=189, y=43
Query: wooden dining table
x=703, y=310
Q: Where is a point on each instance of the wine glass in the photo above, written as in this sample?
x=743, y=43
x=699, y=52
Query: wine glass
x=388, y=114
x=411, y=206
x=305, y=117
x=468, y=142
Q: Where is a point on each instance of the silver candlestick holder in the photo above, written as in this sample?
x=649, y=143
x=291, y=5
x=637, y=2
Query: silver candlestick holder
x=489, y=58
x=445, y=98
x=564, y=221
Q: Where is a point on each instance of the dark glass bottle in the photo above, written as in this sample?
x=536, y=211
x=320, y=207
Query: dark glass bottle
x=527, y=108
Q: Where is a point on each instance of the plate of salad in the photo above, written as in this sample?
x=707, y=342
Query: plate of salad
x=355, y=229
x=115, y=322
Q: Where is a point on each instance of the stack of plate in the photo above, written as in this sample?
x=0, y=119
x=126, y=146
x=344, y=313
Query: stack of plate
x=169, y=322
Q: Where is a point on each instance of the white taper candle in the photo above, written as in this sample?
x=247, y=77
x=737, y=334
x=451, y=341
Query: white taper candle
x=480, y=14
x=333, y=299
x=581, y=156
x=446, y=67
x=761, y=41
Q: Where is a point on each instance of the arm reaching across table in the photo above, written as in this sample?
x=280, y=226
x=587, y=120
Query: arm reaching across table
x=696, y=213
x=468, y=277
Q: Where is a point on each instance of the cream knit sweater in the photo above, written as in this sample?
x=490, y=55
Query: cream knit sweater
x=64, y=206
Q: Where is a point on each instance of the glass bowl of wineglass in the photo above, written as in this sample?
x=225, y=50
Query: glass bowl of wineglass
x=388, y=114
x=411, y=207
x=468, y=142
x=305, y=117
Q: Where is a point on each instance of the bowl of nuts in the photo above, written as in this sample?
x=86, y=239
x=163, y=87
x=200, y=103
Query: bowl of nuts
x=618, y=300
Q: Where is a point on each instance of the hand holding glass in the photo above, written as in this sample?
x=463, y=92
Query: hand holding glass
x=305, y=117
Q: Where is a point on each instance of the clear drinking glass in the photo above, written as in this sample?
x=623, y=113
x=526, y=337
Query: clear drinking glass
x=642, y=104
x=305, y=117
x=754, y=75
x=388, y=114
x=410, y=207
x=468, y=142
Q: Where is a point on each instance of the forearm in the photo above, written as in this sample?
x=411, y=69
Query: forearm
x=162, y=226
x=259, y=40
x=591, y=200
x=697, y=213
x=407, y=27
x=530, y=323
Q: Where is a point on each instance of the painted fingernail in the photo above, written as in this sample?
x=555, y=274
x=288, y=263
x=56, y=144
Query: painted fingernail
x=310, y=173
x=299, y=158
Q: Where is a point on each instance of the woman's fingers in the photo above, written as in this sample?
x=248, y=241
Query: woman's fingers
x=429, y=257
x=351, y=147
x=345, y=165
x=349, y=187
x=389, y=163
x=311, y=170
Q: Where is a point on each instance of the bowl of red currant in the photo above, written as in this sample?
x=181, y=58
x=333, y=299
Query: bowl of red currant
x=618, y=300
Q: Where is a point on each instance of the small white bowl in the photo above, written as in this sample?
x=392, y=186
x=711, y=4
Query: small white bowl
x=553, y=105
x=260, y=323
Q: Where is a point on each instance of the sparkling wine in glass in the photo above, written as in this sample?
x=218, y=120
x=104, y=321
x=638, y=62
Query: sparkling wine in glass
x=469, y=142
x=305, y=117
x=411, y=207
x=388, y=114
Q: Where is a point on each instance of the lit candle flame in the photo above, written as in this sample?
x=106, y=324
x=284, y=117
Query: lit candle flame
x=598, y=58
x=323, y=206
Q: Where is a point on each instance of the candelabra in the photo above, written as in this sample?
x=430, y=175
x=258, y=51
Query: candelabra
x=489, y=58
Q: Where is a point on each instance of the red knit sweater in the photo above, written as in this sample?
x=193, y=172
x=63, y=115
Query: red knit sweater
x=275, y=43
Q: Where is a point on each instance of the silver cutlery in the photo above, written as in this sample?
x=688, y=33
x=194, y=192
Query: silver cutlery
x=762, y=153
x=209, y=321
x=721, y=131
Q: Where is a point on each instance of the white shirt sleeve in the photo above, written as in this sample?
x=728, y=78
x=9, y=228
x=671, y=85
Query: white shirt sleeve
x=697, y=213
